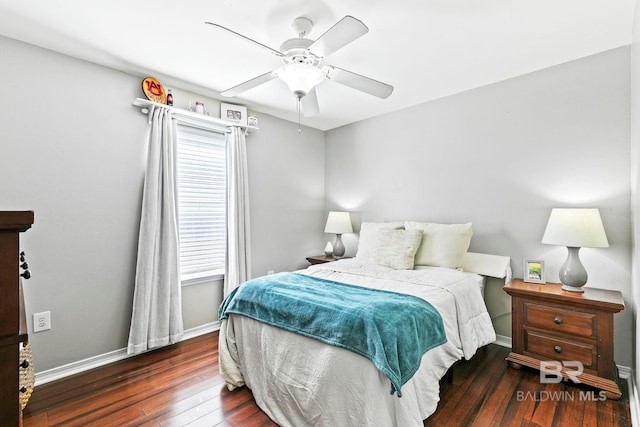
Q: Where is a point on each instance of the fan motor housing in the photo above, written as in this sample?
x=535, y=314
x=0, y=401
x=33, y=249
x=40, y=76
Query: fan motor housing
x=295, y=51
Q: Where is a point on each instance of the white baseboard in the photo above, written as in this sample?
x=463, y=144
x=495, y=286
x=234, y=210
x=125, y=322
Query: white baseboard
x=111, y=357
x=503, y=341
x=624, y=372
x=201, y=330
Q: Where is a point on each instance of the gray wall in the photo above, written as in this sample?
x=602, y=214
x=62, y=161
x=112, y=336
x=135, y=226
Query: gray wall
x=73, y=149
x=501, y=157
x=635, y=186
x=286, y=174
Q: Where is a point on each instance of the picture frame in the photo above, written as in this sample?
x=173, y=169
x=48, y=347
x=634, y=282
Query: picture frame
x=252, y=122
x=234, y=113
x=534, y=271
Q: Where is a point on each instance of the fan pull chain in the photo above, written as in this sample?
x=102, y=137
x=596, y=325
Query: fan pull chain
x=298, y=105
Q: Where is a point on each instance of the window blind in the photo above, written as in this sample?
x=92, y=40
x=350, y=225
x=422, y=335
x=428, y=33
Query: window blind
x=200, y=160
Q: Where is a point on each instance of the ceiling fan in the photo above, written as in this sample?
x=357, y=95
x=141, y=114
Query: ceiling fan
x=302, y=58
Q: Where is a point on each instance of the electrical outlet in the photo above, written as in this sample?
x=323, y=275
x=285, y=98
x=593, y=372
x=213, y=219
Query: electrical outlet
x=270, y=272
x=41, y=321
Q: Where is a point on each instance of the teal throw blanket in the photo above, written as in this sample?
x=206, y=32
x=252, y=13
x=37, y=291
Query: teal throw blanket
x=392, y=330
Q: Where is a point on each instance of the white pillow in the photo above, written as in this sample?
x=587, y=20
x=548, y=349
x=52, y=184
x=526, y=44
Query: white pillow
x=443, y=245
x=393, y=248
x=367, y=240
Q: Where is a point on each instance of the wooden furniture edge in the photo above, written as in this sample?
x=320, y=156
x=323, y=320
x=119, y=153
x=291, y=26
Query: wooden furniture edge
x=592, y=296
x=611, y=388
x=16, y=220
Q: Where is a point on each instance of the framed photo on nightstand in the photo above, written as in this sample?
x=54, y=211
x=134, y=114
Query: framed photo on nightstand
x=534, y=271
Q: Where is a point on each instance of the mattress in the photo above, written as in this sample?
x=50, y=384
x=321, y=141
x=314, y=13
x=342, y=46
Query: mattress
x=299, y=381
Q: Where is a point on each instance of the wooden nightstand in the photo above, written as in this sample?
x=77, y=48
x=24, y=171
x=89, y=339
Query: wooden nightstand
x=321, y=259
x=549, y=324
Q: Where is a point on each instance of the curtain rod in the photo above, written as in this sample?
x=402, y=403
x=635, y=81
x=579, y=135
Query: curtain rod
x=188, y=116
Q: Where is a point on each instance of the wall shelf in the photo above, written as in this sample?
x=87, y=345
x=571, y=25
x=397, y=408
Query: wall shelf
x=147, y=105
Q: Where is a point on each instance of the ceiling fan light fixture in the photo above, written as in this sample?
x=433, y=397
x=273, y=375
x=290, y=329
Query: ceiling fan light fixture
x=302, y=58
x=300, y=78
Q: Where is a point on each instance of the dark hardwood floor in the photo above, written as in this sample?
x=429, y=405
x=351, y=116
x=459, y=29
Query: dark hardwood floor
x=180, y=386
x=486, y=392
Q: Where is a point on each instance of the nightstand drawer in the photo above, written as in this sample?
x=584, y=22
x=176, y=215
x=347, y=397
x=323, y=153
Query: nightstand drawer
x=582, y=324
x=547, y=347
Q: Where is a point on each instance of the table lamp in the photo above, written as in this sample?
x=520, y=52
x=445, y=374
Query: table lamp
x=338, y=223
x=574, y=228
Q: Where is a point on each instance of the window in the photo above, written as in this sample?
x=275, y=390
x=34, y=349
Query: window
x=201, y=166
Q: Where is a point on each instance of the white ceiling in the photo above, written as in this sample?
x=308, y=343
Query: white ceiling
x=426, y=49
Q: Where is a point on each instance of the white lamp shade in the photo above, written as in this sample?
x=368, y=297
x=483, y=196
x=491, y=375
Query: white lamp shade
x=575, y=227
x=300, y=78
x=338, y=223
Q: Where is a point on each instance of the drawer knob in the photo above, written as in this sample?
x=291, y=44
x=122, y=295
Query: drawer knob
x=557, y=321
x=25, y=364
x=557, y=349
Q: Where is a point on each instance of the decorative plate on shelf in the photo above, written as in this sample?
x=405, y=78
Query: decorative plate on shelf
x=154, y=91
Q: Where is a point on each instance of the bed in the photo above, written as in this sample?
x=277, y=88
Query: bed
x=299, y=380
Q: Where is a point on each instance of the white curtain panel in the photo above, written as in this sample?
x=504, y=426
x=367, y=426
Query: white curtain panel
x=157, y=306
x=238, y=259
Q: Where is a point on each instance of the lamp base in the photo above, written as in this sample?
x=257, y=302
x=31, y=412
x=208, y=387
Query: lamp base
x=571, y=288
x=573, y=275
x=338, y=247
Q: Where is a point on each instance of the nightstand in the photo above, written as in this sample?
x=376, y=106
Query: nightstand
x=550, y=324
x=321, y=259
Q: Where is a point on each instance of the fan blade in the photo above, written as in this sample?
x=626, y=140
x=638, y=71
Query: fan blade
x=341, y=34
x=309, y=102
x=264, y=46
x=249, y=84
x=356, y=81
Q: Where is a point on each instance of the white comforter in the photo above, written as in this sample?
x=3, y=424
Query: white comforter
x=299, y=381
